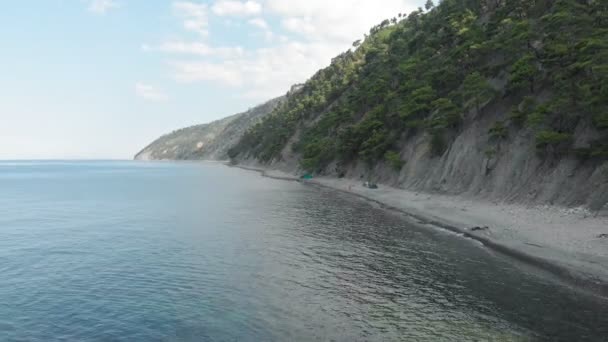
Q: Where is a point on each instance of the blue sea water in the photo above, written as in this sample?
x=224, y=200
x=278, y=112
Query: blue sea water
x=127, y=251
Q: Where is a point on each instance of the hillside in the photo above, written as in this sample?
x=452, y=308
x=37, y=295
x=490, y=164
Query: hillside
x=208, y=141
x=501, y=100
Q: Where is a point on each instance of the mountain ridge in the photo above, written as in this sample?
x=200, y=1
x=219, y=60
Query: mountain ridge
x=210, y=141
x=501, y=100
x=492, y=99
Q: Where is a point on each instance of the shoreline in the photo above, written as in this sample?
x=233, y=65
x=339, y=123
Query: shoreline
x=549, y=238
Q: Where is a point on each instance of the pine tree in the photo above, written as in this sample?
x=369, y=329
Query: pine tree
x=476, y=89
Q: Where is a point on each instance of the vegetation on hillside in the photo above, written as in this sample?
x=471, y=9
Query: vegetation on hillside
x=431, y=71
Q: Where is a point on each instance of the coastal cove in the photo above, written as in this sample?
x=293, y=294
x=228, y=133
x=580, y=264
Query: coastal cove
x=190, y=251
x=567, y=243
x=303, y=170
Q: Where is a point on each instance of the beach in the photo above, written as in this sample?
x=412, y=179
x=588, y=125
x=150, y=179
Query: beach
x=567, y=242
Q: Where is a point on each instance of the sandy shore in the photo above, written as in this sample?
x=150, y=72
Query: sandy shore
x=563, y=241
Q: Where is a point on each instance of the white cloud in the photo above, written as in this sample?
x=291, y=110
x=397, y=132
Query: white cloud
x=150, y=93
x=318, y=30
x=302, y=26
x=226, y=73
x=261, y=74
x=195, y=48
x=259, y=23
x=194, y=16
x=236, y=8
x=102, y=6
x=336, y=20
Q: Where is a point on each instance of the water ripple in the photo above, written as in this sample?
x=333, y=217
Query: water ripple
x=199, y=252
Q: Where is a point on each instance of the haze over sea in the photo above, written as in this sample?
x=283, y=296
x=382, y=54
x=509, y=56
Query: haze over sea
x=125, y=251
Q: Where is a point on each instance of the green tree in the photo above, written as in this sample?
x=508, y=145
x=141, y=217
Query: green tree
x=394, y=160
x=498, y=130
x=524, y=73
x=446, y=114
x=476, y=90
x=430, y=68
x=556, y=141
x=418, y=103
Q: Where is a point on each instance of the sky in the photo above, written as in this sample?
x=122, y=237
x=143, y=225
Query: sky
x=101, y=79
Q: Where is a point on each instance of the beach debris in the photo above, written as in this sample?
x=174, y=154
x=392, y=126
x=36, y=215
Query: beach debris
x=477, y=228
x=306, y=176
x=370, y=185
x=602, y=236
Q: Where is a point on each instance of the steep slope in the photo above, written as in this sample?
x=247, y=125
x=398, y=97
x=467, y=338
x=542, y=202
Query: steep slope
x=504, y=100
x=208, y=141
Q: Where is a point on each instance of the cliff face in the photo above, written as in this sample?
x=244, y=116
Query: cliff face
x=208, y=141
x=502, y=100
x=515, y=173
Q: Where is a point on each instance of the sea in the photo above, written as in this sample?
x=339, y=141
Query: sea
x=199, y=251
